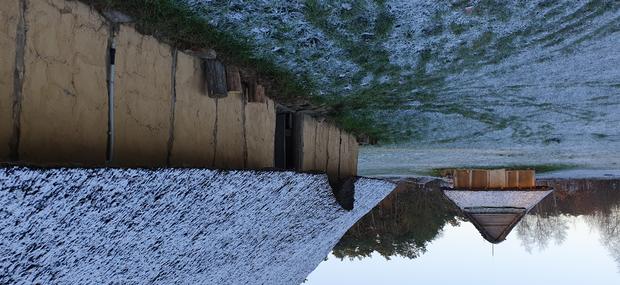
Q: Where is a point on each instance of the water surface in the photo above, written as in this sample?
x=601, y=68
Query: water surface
x=417, y=236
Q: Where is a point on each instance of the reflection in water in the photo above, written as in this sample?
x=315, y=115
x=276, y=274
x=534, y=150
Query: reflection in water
x=415, y=214
x=536, y=231
x=598, y=201
x=401, y=225
x=608, y=225
x=496, y=213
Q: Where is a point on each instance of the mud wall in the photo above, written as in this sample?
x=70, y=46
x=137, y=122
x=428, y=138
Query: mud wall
x=194, y=121
x=344, y=165
x=308, y=141
x=230, y=134
x=354, y=152
x=326, y=148
x=9, y=18
x=333, y=150
x=78, y=88
x=260, y=132
x=64, y=98
x=143, y=101
x=320, y=150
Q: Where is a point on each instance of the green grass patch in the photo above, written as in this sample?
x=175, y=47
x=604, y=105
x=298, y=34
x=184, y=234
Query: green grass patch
x=483, y=41
x=362, y=112
x=495, y=8
x=384, y=23
x=457, y=29
x=599, y=136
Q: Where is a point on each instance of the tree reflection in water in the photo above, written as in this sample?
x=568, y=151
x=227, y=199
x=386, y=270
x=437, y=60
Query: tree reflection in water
x=415, y=214
x=401, y=225
x=598, y=201
x=609, y=227
x=536, y=231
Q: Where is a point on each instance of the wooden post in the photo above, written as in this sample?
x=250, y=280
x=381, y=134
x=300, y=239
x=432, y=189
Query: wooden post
x=215, y=81
x=259, y=94
x=233, y=79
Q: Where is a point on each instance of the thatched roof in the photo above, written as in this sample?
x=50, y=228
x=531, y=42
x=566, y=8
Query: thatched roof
x=496, y=199
x=495, y=213
x=494, y=226
x=170, y=226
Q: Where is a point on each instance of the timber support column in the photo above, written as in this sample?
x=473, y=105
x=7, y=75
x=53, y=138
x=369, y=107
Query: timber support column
x=18, y=80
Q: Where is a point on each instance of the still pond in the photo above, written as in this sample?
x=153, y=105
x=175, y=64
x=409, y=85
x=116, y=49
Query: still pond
x=416, y=235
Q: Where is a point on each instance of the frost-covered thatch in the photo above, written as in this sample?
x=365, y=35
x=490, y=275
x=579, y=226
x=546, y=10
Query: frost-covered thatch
x=173, y=226
x=495, y=213
x=496, y=199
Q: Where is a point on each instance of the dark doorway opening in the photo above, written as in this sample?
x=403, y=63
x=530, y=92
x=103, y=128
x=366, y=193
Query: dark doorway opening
x=285, y=141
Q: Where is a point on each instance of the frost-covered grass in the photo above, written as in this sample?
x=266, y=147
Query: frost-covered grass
x=511, y=83
x=176, y=22
x=170, y=226
x=425, y=71
x=407, y=160
x=511, y=71
x=188, y=24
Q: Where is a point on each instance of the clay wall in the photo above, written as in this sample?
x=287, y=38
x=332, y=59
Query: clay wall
x=193, y=142
x=64, y=103
x=142, y=100
x=9, y=18
x=260, y=122
x=326, y=148
x=230, y=135
x=78, y=88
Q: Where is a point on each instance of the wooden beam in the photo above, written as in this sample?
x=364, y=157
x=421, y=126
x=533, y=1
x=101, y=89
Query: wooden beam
x=259, y=94
x=233, y=79
x=215, y=78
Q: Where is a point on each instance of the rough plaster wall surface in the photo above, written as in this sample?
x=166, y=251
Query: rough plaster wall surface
x=142, y=106
x=194, y=124
x=64, y=106
x=8, y=25
x=309, y=143
x=322, y=135
x=171, y=226
x=354, y=150
x=345, y=156
x=230, y=143
x=260, y=126
x=333, y=150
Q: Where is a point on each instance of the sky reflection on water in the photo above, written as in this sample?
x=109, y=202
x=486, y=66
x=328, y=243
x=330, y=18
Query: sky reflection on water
x=572, y=237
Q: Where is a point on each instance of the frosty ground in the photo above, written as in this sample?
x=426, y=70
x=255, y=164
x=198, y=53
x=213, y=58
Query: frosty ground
x=507, y=73
x=508, y=83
